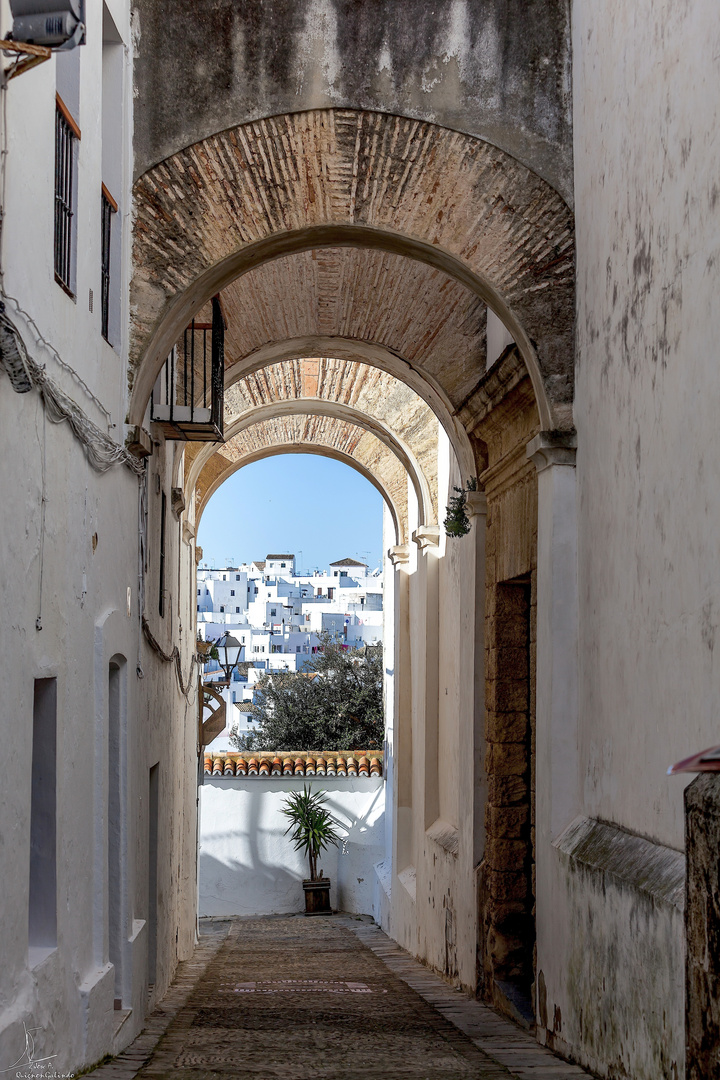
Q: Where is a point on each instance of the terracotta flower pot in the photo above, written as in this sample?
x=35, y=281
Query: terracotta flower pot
x=317, y=897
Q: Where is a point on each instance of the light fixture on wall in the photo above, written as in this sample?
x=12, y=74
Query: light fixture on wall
x=56, y=24
x=13, y=355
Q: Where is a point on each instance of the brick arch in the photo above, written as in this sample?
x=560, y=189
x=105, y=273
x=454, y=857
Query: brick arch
x=374, y=355
x=330, y=178
x=305, y=433
x=426, y=504
x=359, y=393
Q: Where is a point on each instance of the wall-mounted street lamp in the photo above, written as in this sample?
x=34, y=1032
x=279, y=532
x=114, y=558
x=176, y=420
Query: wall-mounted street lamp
x=228, y=649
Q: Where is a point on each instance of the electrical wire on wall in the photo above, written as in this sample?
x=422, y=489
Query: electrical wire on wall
x=32, y=325
x=101, y=450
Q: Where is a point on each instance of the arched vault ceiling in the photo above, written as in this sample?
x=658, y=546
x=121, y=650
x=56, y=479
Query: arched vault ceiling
x=349, y=385
x=315, y=434
x=331, y=178
x=414, y=310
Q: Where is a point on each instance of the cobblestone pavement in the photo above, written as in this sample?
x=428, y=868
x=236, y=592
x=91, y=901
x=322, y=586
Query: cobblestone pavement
x=290, y=998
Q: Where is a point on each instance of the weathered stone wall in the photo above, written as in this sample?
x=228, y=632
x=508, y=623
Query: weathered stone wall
x=702, y=926
x=206, y=65
x=617, y=1006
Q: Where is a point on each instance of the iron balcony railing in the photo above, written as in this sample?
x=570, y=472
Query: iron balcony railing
x=187, y=401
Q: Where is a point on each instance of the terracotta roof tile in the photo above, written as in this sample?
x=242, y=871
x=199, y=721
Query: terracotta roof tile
x=269, y=764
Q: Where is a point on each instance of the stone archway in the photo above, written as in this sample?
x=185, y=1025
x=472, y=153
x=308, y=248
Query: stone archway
x=308, y=433
x=367, y=181
x=377, y=239
x=352, y=392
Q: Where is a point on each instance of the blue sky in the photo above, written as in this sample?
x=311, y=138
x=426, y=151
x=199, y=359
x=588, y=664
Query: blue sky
x=311, y=506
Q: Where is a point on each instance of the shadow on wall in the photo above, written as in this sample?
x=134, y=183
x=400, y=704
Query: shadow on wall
x=248, y=866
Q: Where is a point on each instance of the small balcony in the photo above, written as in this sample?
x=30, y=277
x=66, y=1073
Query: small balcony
x=187, y=400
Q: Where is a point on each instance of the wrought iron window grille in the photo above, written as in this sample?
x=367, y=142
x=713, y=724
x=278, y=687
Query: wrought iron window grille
x=66, y=132
x=108, y=207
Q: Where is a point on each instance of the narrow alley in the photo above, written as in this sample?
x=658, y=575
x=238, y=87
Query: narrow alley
x=294, y=998
x=466, y=253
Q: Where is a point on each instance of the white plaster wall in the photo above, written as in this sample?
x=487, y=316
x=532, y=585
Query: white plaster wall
x=383, y=868
x=433, y=907
x=248, y=866
x=647, y=161
x=80, y=579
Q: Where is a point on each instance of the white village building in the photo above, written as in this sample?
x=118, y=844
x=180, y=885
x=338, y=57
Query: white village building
x=278, y=614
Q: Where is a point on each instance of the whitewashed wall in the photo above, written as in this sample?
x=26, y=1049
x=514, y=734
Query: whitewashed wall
x=247, y=866
x=647, y=162
x=69, y=554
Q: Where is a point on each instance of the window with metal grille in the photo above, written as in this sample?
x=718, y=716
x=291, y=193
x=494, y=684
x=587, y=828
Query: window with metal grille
x=108, y=208
x=66, y=132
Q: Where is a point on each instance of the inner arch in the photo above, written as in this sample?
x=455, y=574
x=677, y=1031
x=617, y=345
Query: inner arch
x=302, y=448
x=230, y=269
x=319, y=407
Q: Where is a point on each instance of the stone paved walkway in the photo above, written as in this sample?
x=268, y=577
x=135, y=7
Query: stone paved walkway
x=290, y=998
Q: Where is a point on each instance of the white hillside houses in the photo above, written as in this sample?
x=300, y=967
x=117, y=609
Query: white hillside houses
x=277, y=615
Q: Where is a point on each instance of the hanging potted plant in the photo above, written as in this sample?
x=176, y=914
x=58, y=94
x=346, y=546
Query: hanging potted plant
x=457, y=522
x=313, y=828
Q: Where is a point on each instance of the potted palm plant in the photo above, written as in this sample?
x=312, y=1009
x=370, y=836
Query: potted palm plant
x=313, y=829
